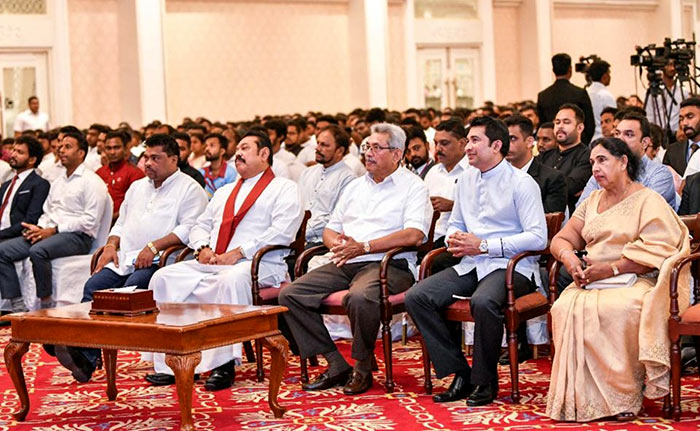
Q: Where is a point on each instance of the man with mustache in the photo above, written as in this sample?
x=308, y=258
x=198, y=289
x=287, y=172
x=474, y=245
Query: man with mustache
x=679, y=152
x=571, y=156
x=118, y=173
x=386, y=208
x=258, y=210
x=218, y=173
x=322, y=184
x=67, y=227
x=157, y=212
x=418, y=152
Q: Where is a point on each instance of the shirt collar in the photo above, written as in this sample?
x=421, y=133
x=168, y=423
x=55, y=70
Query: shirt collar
x=117, y=166
x=394, y=177
x=462, y=165
x=79, y=171
x=331, y=168
x=569, y=150
x=255, y=178
x=495, y=171
x=24, y=174
x=527, y=165
x=595, y=85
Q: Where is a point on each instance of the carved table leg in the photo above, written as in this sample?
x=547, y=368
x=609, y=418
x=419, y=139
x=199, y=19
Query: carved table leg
x=183, y=366
x=13, y=361
x=279, y=350
x=110, y=363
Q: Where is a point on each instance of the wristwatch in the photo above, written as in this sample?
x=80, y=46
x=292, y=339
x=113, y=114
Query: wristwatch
x=483, y=246
x=152, y=247
x=366, y=247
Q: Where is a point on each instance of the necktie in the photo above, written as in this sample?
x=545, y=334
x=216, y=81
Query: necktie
x=7, y=195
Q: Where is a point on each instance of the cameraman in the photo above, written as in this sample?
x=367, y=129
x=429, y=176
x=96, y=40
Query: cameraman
x=601, y=98
x=671, y=98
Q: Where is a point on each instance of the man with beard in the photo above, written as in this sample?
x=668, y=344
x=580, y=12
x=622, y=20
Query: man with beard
x=322, y=184
x=259, y=210
x=218, y=173
x=680, y=155
x=607, y=120
x=118, y=173
x=571, y=156
x=417, y=156
x=183, y=143
x=545, y=139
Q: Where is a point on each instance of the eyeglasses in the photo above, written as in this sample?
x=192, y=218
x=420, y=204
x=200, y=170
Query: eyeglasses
x=366, y=148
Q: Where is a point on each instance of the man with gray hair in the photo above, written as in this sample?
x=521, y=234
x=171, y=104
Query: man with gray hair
x=386, y=208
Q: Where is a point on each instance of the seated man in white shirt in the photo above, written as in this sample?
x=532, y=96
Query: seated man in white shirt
x=386, y=208
x=31, y=119
x=322, y=184
x=67, y=227
x=157, y=212
x=450, y=143
x=497, y=213
x=258, y=210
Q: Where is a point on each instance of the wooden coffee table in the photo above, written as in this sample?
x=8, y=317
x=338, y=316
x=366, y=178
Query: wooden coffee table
x=181, y=331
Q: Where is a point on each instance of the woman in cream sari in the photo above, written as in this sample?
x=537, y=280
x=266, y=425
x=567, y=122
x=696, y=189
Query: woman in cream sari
x=612, y=345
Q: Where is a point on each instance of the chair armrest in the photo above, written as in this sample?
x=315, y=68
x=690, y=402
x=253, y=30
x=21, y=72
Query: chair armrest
x=95, y=257
x=255, y=267
x=166, y=253
x=304, y=258
x=673, y=288
x=427, y=263
x=183, y=254
x=553, y=275
x=510, y=273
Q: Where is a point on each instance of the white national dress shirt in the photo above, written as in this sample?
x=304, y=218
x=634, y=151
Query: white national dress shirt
x=150, y=213
x=93, y=160
x=442, y=184
x=28, y=120
x=504, y=207
x=50, y=168
x=355, y=164
x=5, y=221
x=320, y=190
x=367, y=211
x=600, y=99
x=274, y=218
x=75, y=203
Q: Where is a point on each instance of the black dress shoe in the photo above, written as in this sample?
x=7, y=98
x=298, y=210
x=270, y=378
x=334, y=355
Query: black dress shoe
x=482, y=395
x=221, y=377
x=459, y=389
x=50, y=349
x=325, y=381
x=74, y=360
x=358, y=384
x=162, y=379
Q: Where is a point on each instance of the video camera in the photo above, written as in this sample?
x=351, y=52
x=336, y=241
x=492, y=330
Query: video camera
x=585, y=62
x=654, y=57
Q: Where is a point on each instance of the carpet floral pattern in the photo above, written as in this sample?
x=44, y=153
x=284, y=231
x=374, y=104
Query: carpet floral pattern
x=58, y=403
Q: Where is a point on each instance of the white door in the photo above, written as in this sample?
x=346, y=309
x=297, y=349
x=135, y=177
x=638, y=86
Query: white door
x=22, y=75
x=449, y=77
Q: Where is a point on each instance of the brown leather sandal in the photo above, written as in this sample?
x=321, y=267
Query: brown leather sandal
x=626, y=417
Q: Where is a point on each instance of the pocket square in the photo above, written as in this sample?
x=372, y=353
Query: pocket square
x=23, y=192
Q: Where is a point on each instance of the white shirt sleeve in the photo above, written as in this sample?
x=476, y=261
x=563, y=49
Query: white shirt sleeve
x=193, y=204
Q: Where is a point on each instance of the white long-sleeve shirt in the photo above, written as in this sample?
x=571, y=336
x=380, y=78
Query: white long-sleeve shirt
x=367, y=211
x=320, y=190
x=75, y=203
x=442, y=184
x=502, y=206
x=274, y=219
x=601, y=98
x=150, y=213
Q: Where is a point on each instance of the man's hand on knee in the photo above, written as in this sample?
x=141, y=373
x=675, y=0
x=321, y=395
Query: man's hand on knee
x=34, y=233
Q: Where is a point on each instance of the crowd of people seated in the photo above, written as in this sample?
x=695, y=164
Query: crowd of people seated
x=372, y=180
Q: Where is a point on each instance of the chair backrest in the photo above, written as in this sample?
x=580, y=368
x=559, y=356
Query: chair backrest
x=554, y=221
x=105, y=224
x=300, y=241
x=692, y=222
x=428, y=245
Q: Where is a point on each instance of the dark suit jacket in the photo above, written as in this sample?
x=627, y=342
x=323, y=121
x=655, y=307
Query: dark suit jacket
x=690, y=202
x=26, y=205
x=562, y=91
x=552, y=186
x=425, y=170
x=675, y=156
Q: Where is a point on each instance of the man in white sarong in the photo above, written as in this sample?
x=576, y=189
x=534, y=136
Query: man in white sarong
x=258, y=210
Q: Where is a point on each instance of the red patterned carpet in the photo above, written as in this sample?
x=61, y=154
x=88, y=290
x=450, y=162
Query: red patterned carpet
x=60, y=404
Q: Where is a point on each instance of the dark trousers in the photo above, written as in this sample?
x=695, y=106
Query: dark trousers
x=41, y=253
x=426, y=301
x=108, y=279
x=305, y=295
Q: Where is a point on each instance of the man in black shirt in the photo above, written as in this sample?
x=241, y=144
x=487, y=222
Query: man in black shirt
x=570, y=157
x=184, y=142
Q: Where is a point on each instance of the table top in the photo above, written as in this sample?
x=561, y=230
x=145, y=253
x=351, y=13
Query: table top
x=169, y=315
